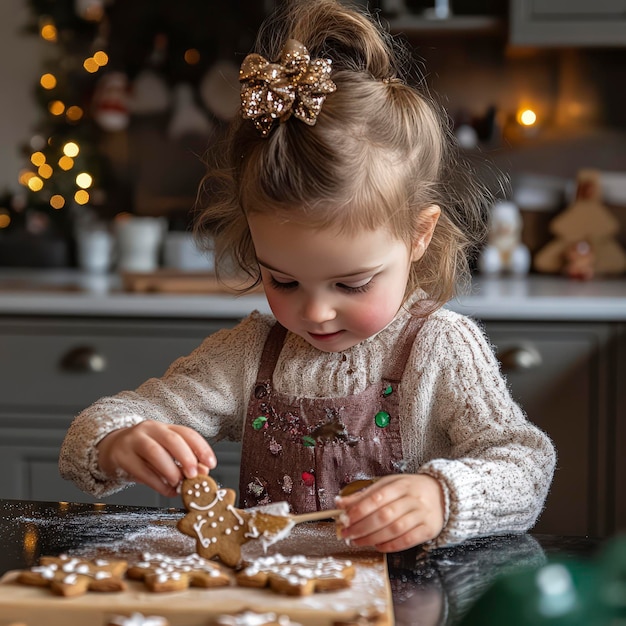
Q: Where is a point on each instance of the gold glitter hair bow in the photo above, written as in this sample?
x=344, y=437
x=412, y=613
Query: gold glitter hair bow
x=296, y=85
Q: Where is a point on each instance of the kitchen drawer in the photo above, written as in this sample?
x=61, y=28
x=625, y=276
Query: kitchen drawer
x=65, y=365
x=29, y=459
x=29, y=470
x=558, y=372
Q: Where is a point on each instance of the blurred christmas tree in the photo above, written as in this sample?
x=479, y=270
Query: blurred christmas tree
x=110, y=63
x=65, y=169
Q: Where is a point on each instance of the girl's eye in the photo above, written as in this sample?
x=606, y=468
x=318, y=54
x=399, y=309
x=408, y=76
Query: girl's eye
x=286, y=286
x=359, y=288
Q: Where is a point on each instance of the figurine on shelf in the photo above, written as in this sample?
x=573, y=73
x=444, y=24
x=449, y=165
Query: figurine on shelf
x=505, y=251
x=585, y=236
x=579, y=260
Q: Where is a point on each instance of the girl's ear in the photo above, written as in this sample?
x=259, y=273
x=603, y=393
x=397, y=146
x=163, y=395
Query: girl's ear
x=425, y=228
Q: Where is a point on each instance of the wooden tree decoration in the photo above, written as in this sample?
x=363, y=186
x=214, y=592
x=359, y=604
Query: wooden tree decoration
x=585, y=235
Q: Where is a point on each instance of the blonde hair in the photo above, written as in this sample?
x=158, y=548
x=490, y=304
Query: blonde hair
x=380, y=152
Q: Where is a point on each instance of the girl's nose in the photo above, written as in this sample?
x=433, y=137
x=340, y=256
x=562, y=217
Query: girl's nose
x=317, y=310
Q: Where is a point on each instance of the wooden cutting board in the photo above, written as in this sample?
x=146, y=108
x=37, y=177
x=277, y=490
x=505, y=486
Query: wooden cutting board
x=369, y=594
x=175, y=281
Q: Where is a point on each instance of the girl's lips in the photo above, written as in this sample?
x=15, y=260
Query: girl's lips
x=325, y=337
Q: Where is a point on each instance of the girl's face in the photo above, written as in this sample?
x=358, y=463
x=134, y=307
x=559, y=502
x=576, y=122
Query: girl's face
x=333, y=289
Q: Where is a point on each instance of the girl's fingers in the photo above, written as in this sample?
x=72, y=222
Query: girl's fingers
x=142, y=473
x=382, y=523
x=379, y=529
x=370, y=500
x=202, y=469
x=417, y=535
x=202, y=451
x=394, y=513
x=180, y=445
x=161, y=455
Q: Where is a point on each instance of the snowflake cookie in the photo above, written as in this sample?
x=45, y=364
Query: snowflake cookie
x=137, y=619
x=297, y=575
x=68, y=576
x=163, y=573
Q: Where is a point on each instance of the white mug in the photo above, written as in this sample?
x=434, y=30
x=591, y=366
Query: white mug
x=181, y=252
x=139, y=243
x=94, y=248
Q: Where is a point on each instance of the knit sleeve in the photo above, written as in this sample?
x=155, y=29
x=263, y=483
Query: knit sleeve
x=498, y=468
x=207, y=390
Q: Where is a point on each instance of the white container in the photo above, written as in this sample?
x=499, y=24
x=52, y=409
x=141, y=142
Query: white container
x=139, y=242
x=181, y=252
x=94, y=249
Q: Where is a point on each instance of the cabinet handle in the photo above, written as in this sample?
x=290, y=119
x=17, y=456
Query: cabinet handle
x=520, y=358
x=83, y=359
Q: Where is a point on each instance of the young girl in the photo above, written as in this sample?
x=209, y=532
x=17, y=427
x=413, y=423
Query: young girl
x=339, y=194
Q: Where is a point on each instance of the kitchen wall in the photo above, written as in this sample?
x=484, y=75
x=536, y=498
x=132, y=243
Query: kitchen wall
x=20, y=67
x=577, y=93
x=484, y=81
x=574, y=91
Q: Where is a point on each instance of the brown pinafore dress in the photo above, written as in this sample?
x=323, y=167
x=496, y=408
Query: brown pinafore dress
x=304, y=450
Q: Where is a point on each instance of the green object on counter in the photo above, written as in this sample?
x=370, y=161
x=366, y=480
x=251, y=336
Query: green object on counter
x=559, y=593
x=612, y=579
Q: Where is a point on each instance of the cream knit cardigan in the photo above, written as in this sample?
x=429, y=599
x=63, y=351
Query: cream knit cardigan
x=459, y=422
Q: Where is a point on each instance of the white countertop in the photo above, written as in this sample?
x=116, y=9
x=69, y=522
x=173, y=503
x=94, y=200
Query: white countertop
x=538, y=297
x=70, y=293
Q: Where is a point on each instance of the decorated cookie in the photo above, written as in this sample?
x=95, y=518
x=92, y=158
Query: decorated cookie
x=137, y=619
x=219, y=528
x=68, y=576
x=365, y=619
x=163, y=573
x=252, y=618
x=297, y=575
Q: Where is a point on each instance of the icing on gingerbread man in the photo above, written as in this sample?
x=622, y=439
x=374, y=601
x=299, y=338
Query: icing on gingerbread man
x=219, y=528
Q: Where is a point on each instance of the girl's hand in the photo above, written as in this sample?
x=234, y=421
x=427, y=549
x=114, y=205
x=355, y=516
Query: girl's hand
x=394, y=513
x=156, y=454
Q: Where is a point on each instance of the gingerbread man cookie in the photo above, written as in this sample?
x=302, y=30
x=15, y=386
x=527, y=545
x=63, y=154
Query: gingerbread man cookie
x=67, y=576
x=297, y=575
x=137, y=619
x=163, y=573
x=219, y=528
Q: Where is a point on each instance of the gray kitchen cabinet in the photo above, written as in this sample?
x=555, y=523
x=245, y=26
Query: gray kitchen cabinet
x=568, y=23
x=564, y=374
x=561, y=375
x=51, y=368
x=617, y=449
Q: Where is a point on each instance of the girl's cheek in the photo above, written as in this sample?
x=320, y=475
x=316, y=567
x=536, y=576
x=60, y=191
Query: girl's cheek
x=373, y=318
x=279, y=305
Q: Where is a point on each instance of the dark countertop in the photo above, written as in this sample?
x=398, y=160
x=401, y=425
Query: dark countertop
x=438, y=587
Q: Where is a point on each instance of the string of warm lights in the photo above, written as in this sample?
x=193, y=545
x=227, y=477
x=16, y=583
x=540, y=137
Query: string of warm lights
x=48, y=161
x=106, y=64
